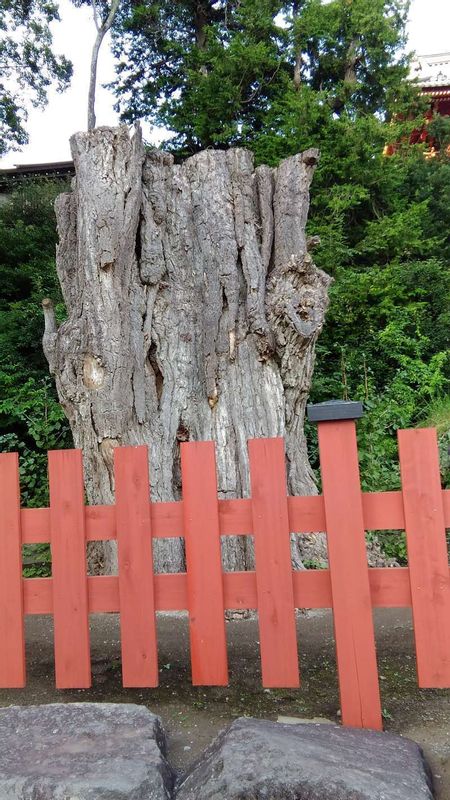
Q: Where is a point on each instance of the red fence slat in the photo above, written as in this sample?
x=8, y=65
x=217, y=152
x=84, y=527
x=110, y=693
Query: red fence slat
x=352, y=608
x=389, y=588
x=204, y=565
x=136, y=590
x=274, y=578
x=69, y=569
x=427, y=555
x=12, y=643
x=382, y=510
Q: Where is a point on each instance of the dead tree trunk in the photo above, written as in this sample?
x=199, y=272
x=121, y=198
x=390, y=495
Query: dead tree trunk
x=193, y=311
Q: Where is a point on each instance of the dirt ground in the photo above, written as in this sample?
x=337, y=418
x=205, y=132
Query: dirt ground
x=193, y=715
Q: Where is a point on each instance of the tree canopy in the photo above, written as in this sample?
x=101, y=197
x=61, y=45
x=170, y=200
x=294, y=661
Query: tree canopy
x=228, y=73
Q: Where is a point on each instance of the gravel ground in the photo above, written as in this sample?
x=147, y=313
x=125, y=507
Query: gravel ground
x=193, y=715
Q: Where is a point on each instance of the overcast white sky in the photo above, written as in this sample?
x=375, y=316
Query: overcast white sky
x=49, y=130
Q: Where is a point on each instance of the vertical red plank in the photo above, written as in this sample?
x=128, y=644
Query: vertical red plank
x=204, y=565
x=427, y=555
x=352, y=607
x=274, y=579
x=136, y=590
x=12, y=643
x=69, y=570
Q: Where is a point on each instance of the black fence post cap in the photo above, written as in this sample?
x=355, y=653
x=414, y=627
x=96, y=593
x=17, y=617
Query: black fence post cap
x=333, y=410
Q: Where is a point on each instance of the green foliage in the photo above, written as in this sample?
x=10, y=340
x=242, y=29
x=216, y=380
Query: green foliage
x=31, y=420
x=220, y=74
x=27, y=275
x=36, y=560
x=32, y=411
x=28, y=65
x=438, y=416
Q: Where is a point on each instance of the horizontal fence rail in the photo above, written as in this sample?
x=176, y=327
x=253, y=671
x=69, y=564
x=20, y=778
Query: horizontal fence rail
x=349, y=587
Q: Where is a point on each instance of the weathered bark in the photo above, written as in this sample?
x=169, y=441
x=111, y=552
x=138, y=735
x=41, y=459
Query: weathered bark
x=193, y=311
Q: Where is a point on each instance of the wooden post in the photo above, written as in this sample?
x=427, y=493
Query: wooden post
x=427, y=555
x=69, y=570
x=352, y=605
x=274, y=578
x=134, y=546
x=204, y=564
x=12, y=643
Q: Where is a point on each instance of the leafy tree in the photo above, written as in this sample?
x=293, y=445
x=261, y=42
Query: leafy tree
x=27, y=65
x=257, y=70
x=31, y=419
x=205, y=70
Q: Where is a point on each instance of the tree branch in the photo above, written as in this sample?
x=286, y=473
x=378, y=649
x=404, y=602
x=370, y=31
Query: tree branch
x=297, y=48
x=94, y=9
x=101, y=32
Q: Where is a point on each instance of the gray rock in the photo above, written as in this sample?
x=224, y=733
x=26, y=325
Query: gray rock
x=260, y=760
x=82, y=751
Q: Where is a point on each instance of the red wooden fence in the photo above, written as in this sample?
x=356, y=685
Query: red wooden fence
x=349, y=587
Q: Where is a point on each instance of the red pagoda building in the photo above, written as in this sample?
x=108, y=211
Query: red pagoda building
x=431, y=74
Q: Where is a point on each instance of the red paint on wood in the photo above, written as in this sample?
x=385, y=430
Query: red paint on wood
x=100, y=523
x=352, y=607
x=35, y=524
x=389, y=588
x=383, y=511
x=38, y=595
x=312, y=588
x=306, y=514
x=12, y=643
x=427, y=555
x=276, y=614
x=68, y=545
x=204, y=564
x=134, y=544
x=235, y=517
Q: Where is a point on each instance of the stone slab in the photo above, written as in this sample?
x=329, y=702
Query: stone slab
x=265, y=760
x=82, y=751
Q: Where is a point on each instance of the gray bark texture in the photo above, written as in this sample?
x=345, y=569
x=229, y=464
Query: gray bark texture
x=193, y=309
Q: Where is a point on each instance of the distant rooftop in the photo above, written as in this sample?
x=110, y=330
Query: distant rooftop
x=14, y=177
x=432, y=73
x=52, y=168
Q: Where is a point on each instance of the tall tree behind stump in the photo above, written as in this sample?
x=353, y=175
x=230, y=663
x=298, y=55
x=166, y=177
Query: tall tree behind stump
x=193, y=311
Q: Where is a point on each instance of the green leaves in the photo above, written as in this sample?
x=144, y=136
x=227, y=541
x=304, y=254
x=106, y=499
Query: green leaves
x=224, y=73
x=28, y=65
x=31, y=419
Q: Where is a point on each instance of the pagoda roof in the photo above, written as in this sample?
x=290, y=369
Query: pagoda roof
x=432, y=73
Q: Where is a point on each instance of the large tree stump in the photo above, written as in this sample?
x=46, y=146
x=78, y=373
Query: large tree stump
x=193, y=311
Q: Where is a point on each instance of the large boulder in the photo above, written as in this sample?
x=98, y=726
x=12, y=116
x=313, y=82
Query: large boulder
x=265, y=760
x=82, y=751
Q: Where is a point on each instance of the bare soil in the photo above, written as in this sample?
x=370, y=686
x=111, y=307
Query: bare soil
x=192, y=716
